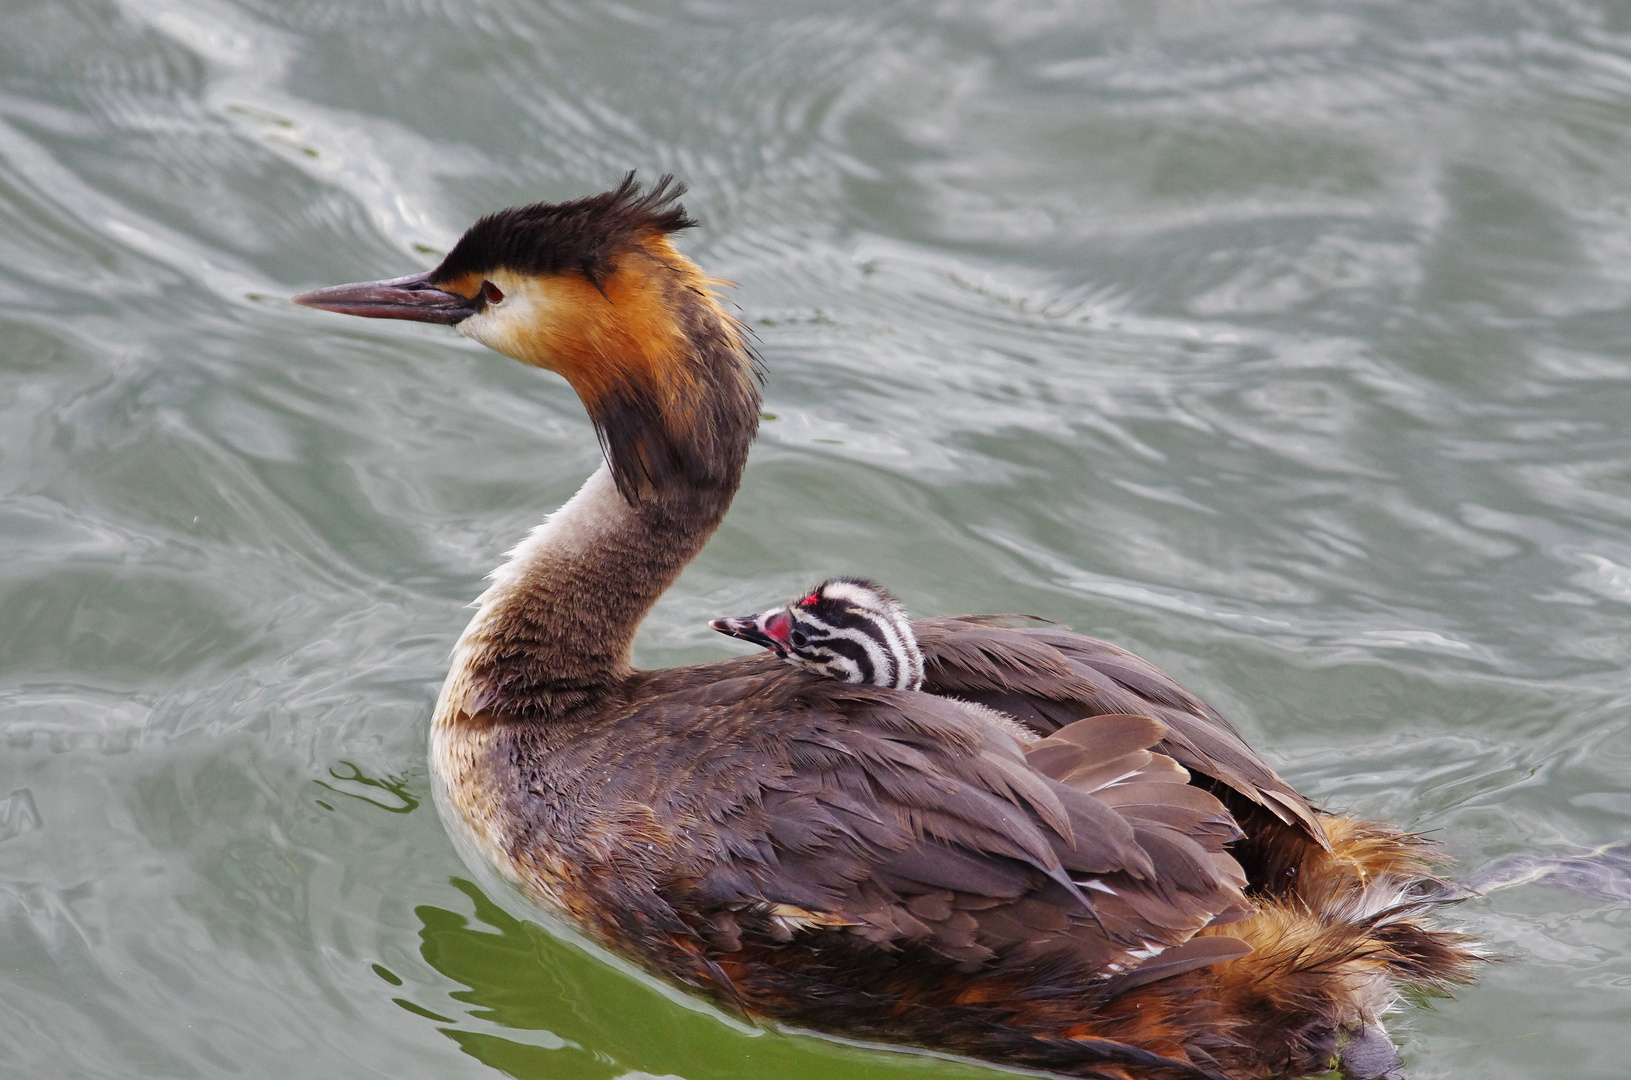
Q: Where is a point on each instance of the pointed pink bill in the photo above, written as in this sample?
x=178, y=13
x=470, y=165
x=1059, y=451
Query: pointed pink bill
x=770, y=634
x=412, y=297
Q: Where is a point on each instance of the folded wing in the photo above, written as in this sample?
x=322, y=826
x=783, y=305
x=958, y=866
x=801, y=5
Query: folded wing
x=1047, y=677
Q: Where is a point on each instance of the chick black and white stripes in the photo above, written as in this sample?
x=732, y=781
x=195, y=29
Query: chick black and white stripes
x=845, y=628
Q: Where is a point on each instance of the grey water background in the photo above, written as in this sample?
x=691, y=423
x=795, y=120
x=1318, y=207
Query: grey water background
x=1283, y=343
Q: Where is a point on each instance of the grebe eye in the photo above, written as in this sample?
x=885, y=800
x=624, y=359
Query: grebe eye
x=491, y=293
x=799, y=640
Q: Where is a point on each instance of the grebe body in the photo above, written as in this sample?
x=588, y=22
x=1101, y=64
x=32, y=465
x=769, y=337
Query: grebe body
x=1120, y=887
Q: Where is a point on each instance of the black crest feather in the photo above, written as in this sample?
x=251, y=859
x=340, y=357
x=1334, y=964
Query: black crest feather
x=585, y=234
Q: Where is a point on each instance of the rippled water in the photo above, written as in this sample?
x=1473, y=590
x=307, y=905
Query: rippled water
x=1284, y=343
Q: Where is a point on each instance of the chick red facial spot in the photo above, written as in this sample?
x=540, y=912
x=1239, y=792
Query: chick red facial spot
x=811, y=600
x=778, y=626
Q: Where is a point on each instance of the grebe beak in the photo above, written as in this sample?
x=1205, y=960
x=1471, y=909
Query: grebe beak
x=412, y=297
x=747, y=628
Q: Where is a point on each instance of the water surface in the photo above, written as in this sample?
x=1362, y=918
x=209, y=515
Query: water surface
x=1285, y=344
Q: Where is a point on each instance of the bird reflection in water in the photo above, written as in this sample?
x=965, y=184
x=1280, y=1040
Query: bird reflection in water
x=571, y=1006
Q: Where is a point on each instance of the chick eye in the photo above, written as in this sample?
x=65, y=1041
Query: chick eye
x=491, y=293
x=799, y=640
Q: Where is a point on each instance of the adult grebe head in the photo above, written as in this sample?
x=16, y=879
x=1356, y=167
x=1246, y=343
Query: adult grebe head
x=594, y=290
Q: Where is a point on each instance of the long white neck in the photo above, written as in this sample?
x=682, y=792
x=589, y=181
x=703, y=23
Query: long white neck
x=553, y=631
x=548, y=552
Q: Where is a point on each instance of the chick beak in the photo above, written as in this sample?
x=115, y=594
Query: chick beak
x=747, y=628
x=412, y=297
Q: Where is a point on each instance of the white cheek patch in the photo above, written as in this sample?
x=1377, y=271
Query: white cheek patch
x=479, y=327
x=509, y=326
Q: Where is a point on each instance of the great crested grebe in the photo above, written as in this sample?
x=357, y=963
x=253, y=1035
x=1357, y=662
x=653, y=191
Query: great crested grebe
x=1135, y=893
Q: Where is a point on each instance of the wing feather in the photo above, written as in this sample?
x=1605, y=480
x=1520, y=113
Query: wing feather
x=1048, y=677
x=893, y=819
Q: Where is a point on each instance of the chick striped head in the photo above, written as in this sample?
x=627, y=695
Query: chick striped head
x=844, y=628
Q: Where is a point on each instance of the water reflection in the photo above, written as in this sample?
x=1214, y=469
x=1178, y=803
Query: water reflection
x=1602, y=874
x=396, y=786
x=518, y=978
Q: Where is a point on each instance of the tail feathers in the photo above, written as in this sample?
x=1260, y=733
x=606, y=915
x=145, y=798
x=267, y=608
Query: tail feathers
x=1300, y=957
x=1298, y=987
x=1330, y=957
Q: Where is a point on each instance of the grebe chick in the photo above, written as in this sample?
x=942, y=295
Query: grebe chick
x=854, y=630
x=845, y=628
x=1136, y=893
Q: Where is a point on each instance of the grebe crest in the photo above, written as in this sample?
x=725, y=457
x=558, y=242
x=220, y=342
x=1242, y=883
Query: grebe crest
x=845, y=628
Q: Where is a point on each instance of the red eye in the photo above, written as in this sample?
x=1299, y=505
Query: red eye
x=491, y=293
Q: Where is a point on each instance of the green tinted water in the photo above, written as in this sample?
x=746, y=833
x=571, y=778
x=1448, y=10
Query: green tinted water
x=1285, y=344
